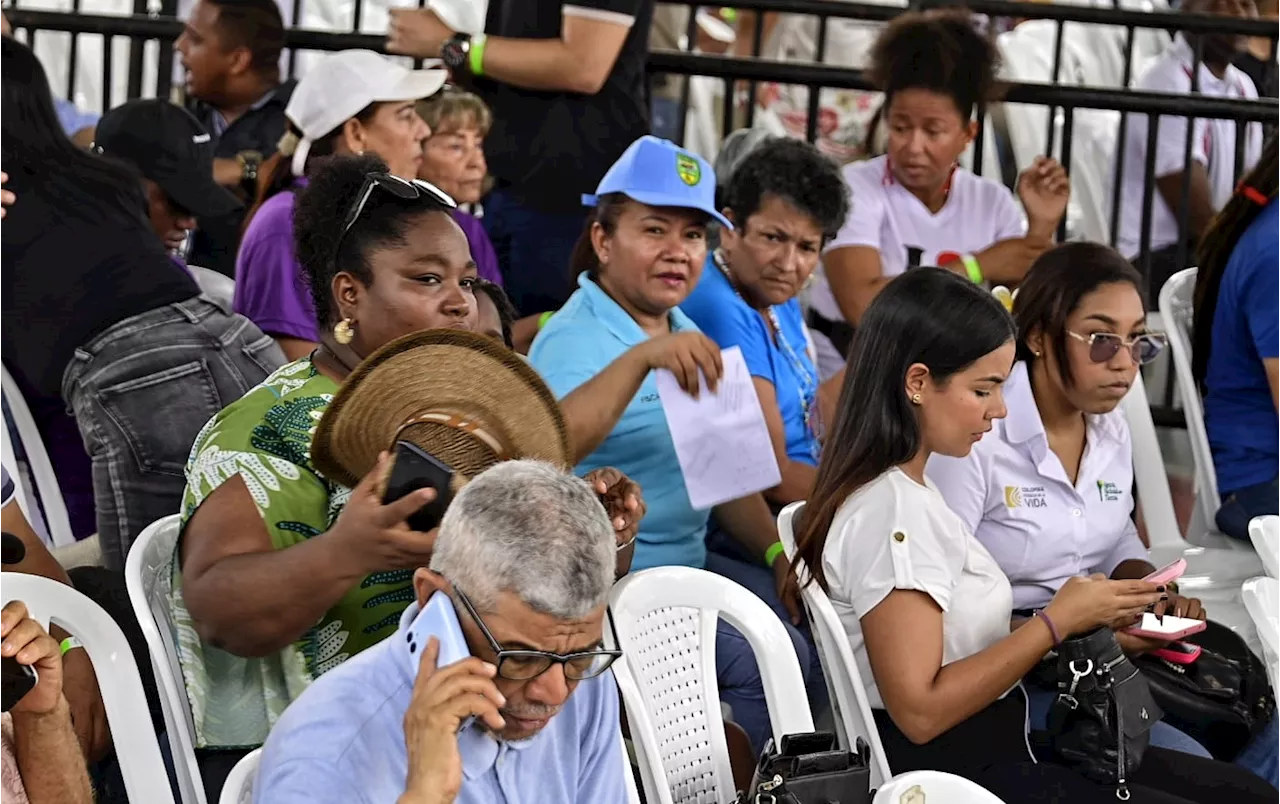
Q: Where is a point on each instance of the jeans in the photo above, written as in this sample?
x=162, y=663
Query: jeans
x=736, y=669
x=1244, y=504
x=141, y=391
x=533, y=249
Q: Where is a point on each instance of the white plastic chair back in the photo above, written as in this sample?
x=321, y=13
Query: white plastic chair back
x=1262, y=601
x=923, y=787
x=848, y=694
x=118, y=680
x=148, y=576
x=42, y=473
x=220, y=288
x=629, y=779
x=665, y=622
x=238, y=788
x=1264, y=532
x=1149, y=470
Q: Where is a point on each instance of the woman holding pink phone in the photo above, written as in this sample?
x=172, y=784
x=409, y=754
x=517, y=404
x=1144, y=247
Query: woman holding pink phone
x=1049, y=491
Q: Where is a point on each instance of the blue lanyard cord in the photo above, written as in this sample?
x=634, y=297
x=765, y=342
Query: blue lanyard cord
x=807, y=381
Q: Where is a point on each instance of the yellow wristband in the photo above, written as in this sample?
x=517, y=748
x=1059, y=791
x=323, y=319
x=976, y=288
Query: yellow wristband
x=972, y=268
x=771, y=555
x=476, y=55
x=544, y=318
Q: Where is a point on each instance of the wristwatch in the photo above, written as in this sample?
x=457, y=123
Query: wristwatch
x=249, y=162
x=455, y=51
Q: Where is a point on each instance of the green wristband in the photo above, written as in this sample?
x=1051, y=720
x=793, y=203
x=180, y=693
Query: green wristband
x=771, y=555
x=972, y=268
x=70, y=644
x=475, y=56
x=544, y=318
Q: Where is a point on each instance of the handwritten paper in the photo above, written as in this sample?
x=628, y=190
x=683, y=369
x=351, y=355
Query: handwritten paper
x=721, y=439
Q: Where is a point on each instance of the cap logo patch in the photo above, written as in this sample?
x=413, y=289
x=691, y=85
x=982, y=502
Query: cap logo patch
x=688, y=168
x=200, y=139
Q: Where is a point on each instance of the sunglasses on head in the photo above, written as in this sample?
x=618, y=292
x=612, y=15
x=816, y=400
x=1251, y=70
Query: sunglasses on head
x=1105, y=345
x=404, y=189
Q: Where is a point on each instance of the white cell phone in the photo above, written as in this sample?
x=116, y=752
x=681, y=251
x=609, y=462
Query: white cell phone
x=1167, y=627
x=440, y=620
x=437, y=619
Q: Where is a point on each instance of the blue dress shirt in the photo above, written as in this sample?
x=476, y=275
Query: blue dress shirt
x=342, y=742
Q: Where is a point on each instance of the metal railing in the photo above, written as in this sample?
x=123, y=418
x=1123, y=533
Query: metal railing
x=1060, y=100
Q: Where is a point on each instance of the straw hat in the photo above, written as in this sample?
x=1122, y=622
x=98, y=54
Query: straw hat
x=462, y=397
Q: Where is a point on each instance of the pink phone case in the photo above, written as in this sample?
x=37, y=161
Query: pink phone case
x=1176, y=656
x=1169, y=573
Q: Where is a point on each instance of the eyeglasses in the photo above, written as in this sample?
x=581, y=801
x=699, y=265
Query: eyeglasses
x=1105, y=345
x=526, y=665
x=403, y=189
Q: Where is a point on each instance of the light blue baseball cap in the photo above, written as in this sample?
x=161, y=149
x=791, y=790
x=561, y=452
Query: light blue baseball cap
x=660, y=173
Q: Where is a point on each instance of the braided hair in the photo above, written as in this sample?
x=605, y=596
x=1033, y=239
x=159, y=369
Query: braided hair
x=1255, y=192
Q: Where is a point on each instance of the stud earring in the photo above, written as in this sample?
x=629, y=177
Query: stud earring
x=343, y=331
x=916, y=398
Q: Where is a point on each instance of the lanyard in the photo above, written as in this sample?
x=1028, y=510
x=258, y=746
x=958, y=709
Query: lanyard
x=807, y=381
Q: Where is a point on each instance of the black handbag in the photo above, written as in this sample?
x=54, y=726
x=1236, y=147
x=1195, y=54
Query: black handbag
x=810, y=769
x=1222, y=699
x=1100, y=722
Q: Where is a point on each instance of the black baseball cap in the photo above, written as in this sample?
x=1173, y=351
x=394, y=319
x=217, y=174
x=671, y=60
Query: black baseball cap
x=169, y=147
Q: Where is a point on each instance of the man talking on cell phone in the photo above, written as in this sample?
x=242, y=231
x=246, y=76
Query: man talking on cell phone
x=525, y=554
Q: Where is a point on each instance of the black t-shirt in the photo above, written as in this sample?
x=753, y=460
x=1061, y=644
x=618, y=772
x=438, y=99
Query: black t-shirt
x=74, y=265
x=548, y=148
x=216, y=241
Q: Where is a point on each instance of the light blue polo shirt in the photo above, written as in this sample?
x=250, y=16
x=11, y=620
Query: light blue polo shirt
x=342, y=742
x=726, y=319
x=587, y=334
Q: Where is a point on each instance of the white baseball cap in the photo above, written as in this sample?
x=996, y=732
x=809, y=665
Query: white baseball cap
x=342, y=84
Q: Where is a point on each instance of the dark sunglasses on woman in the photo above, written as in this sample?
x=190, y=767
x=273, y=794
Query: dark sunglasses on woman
x=1105, y=345
x=404, y=189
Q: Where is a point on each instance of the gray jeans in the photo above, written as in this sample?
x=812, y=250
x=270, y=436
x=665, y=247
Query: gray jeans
x=142, y=390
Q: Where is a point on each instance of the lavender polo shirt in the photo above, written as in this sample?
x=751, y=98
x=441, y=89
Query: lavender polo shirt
x=271, y=288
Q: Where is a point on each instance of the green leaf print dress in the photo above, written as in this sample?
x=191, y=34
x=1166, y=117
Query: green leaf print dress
x=265, y=439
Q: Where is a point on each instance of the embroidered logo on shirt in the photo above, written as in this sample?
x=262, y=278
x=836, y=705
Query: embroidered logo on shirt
x=1108, y=492
x=689, y=169
x=1024, y=497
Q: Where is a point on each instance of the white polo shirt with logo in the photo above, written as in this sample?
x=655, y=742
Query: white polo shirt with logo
x=1015, y=496
x=1213, y=144
x=884, y=215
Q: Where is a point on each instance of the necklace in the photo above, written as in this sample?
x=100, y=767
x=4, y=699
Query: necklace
x=806, y=380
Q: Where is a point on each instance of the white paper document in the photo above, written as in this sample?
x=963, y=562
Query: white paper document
x=721, y=439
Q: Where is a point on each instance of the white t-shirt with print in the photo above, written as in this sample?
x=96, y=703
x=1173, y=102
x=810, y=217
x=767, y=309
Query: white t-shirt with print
x=894, y=533
x=1213, y=145
x=884, y=215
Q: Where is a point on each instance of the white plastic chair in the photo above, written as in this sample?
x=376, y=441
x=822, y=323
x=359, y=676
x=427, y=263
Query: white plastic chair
x=847, y=692
x=148, y=576
x=923, y=787
x=238, y=788
x=219, y=287
x=1264, y=532
x=1177, y=314
x=42, y=473
x=665, y=621
x=1262, y=601
x=126, y=704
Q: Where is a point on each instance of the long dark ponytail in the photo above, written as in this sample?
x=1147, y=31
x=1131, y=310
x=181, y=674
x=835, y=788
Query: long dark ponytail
x=1256, y=191
x=928, y=316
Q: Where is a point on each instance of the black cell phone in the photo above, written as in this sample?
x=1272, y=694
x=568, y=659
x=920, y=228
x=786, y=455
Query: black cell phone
x=15, y=682
x=414, y=469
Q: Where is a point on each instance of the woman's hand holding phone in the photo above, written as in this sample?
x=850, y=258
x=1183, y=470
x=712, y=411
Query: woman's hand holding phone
x=1083, y=604
x=444, y=698
x=376, y=537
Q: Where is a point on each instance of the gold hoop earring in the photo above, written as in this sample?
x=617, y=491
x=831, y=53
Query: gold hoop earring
x=344, y=332
x=916, y=398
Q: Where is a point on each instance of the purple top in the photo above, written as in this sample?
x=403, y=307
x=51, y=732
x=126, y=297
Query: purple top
x=271, y=290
